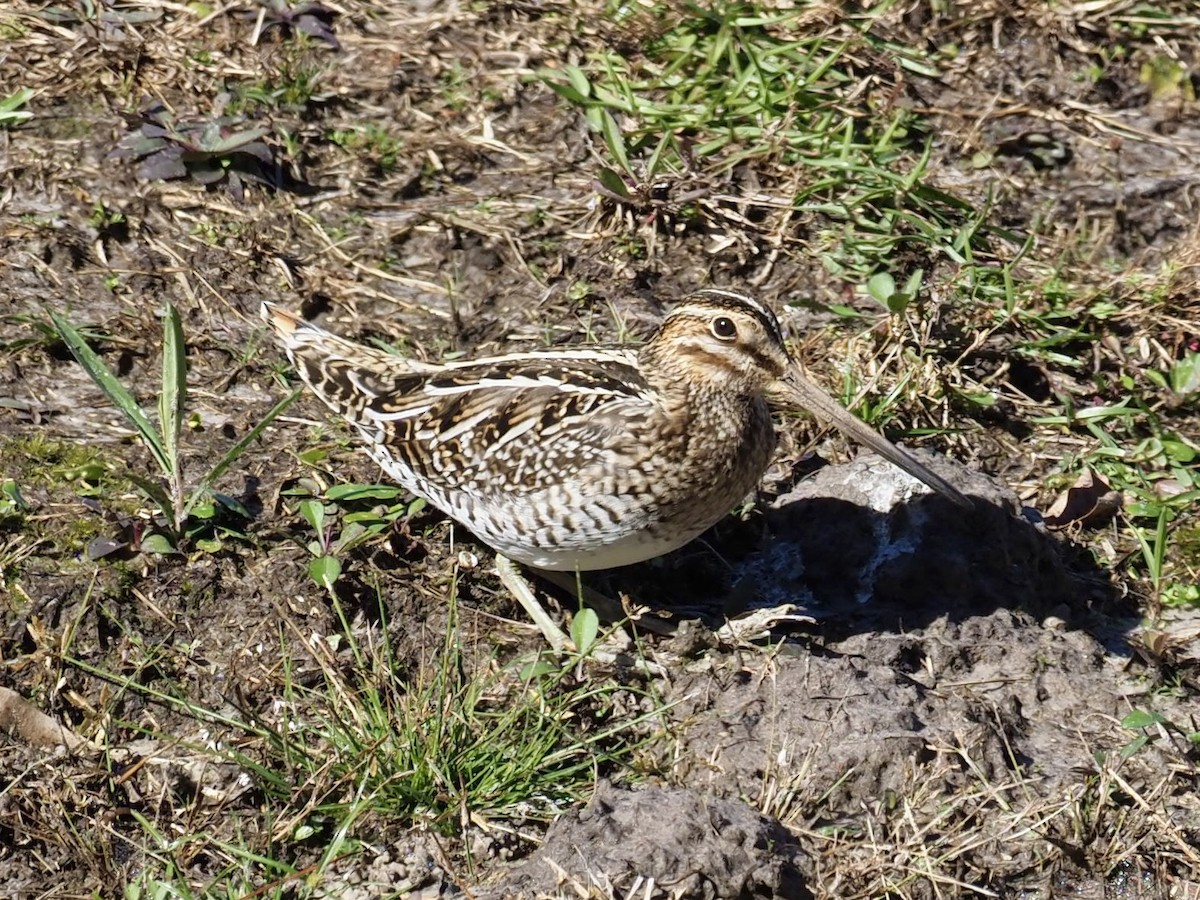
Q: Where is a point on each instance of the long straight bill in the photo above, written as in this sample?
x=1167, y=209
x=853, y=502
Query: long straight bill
x=812, y=398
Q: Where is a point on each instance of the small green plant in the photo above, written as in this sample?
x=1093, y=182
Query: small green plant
x=382, y=149
x=1151, y=725
x=358, y=525
x=210, y=152
x=10, y=108
x=1154, y=541
x=23, y=331
x=292, y=88
x=882, y=287
x=1182, y=379
x=1167, y=77
x=184, y=504
x=725, y=87
x=109, y=222
x=12, y=504
x=354, y=732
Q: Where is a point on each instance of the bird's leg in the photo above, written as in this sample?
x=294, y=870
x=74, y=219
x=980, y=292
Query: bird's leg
x=607, y=608
x=520, y=588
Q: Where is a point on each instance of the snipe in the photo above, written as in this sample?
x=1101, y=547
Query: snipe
x=587, y=458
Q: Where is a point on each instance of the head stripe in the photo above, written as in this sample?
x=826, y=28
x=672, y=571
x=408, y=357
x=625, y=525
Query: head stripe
x=715, y=299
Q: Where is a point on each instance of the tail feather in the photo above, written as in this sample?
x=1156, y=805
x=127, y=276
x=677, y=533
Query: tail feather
x=347, y=376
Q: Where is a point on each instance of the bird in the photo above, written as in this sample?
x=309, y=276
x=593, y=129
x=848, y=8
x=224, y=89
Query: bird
x=588, y=457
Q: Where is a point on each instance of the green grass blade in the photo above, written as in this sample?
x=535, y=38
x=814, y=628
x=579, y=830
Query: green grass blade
x=15, y=101
x=174, y=384
x=171, y=401
x=113, y=390
x=614, y=140
x=238, y=449
x=153, y=491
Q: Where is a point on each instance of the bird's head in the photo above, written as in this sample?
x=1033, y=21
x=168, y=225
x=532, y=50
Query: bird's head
x=723, y=341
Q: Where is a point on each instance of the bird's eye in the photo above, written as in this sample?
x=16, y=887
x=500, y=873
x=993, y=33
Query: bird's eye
x=723, y=328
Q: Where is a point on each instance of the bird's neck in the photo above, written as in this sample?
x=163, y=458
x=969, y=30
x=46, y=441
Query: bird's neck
x=686, y=373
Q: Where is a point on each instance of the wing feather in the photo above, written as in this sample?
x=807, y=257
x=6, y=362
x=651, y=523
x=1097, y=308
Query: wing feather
x=485, y=425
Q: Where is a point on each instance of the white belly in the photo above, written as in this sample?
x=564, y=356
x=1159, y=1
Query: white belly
x=583, y=535
x=622, y=550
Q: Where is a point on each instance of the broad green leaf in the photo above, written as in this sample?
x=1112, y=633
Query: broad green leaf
x=539, y=669
x=232, y=504
x=584, y=630
x=312, y=457
x=1185, y=374
x=12, y=494
x=351, y=533
x=313, y=512
x=1119, y=410
x=360, y=533
x=236, y=141
x=578, y=79
x=1134, y=746
x=10, y=108
x=324, y=570
x=204, y=511
x=343, y=492
x=567, y=92
x=15, y=101
x=848, y=312
x=1178, y=451
x=913, y=286
x=88, y=472
x=1142, y=719
x=156, y=542
x=614, y=139
x=1152, y=375
x=373, y=516
x=613, y=183
x=881, y=286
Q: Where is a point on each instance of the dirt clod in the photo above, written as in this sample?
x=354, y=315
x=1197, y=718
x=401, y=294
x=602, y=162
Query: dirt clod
x=662, y=842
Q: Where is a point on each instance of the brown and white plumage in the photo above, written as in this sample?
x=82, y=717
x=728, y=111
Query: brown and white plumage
x=585, y=458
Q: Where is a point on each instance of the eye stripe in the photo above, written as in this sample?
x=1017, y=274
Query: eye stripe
x=710, y=300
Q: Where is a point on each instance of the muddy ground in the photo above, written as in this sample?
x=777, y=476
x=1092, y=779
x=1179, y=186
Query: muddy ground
x=945, y=715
